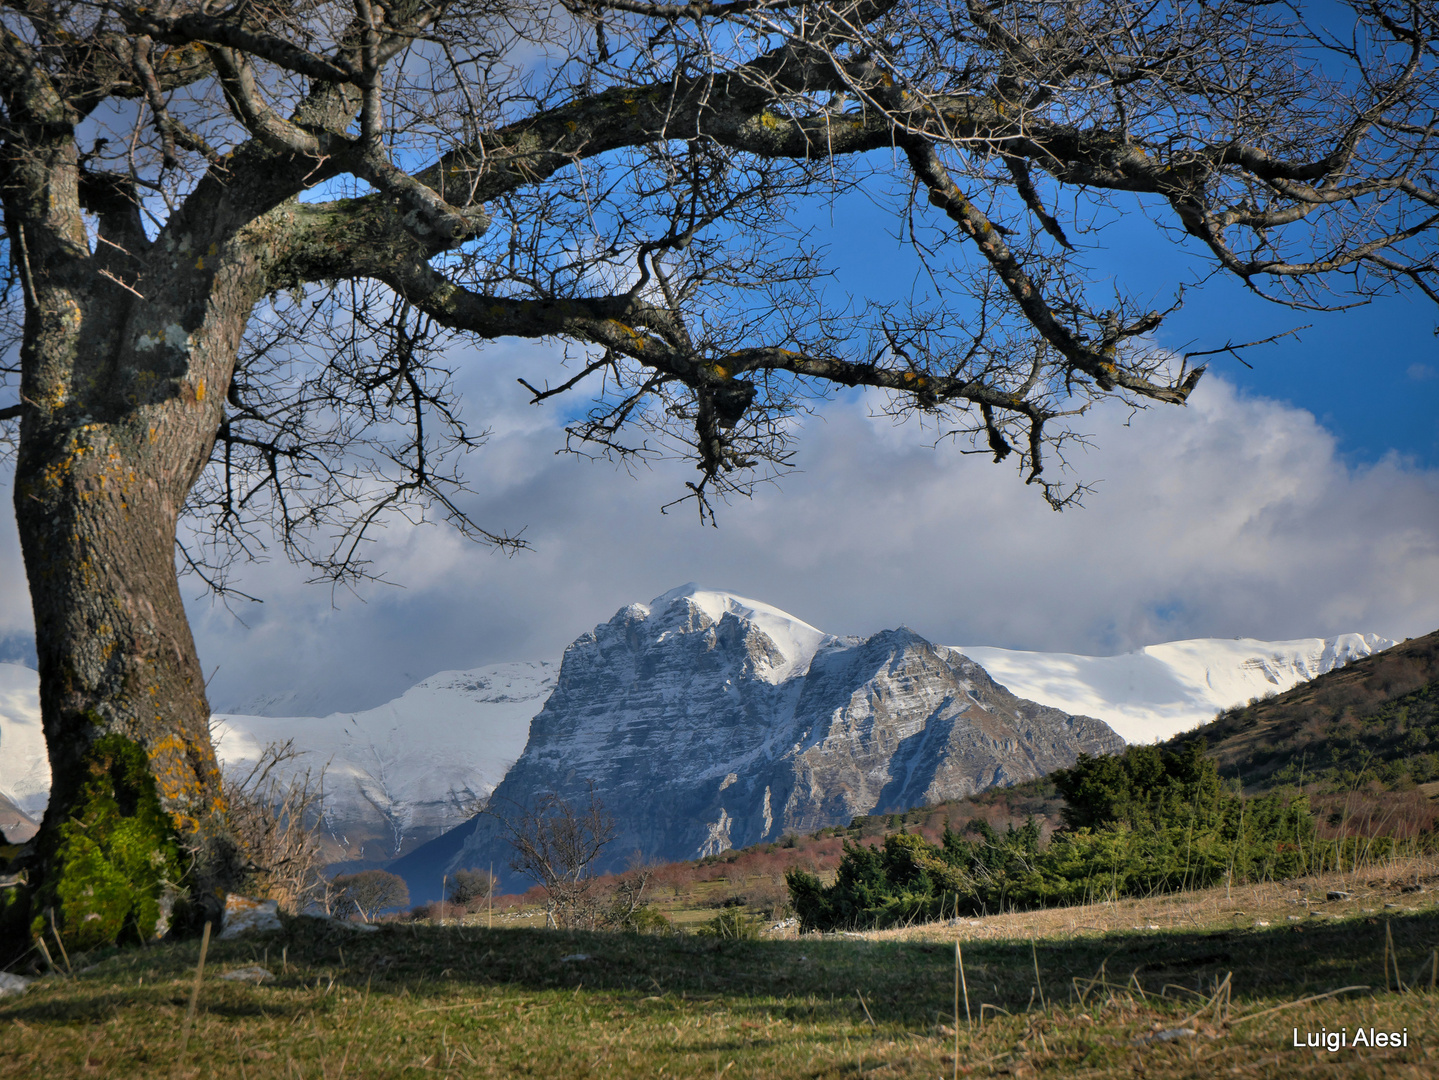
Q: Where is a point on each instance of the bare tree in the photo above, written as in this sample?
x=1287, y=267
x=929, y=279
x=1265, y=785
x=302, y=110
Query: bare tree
x=555, y=843
x=242, y=238
x=369, y=892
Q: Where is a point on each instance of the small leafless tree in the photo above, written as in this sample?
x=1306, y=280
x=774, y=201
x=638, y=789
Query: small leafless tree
x=369, y=892
x=274, y=814
x=466, y=886
x=555, y=843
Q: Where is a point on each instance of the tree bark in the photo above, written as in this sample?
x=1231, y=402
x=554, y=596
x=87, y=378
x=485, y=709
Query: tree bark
x=125, y=364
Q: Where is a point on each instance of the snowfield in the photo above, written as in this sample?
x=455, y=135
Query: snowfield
x=404, y=769
x=1161, y=690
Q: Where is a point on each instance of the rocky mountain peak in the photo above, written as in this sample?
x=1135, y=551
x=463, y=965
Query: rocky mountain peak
x=708, y=721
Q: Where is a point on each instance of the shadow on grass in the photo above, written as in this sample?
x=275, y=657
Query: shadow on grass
x=901, y=982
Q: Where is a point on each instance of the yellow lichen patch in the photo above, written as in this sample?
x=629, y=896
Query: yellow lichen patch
x=200, y=390
x=771, y=121
x=634, y=334
x=721, y=371
x=176, y=782
x=571, y=126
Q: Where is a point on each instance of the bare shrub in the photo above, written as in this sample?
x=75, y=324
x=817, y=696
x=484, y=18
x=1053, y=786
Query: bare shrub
x=770, y=894
x=555, y=843
x=273, y=812
x=627, y=906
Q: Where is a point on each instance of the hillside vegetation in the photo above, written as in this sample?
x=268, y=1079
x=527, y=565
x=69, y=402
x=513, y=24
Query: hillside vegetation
x=1375, y=721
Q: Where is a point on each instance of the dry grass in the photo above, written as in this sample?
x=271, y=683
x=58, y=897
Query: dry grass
x=1091, y=997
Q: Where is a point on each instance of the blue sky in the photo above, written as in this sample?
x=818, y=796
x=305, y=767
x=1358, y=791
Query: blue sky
x=1370, y=374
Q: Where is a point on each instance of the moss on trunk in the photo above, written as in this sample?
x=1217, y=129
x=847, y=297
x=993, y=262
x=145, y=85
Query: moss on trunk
x=112, y=868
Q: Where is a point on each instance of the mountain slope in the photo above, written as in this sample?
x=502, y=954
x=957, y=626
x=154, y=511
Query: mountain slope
x=1377, y=717
x=402, y=773
x=1160, y=690
x=395, y=775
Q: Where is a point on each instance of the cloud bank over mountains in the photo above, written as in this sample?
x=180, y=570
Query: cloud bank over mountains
x=1233, y=517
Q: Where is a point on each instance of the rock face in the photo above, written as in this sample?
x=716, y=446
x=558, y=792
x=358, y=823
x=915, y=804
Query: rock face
x=706, y=721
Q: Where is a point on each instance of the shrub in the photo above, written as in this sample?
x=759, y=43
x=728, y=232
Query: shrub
x=1139, y=823
x=731, y=923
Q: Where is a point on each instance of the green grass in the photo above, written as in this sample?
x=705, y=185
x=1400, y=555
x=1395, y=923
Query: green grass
x=465, y=1001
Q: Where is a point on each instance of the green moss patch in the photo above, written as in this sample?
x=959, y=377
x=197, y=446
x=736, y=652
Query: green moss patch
x=112, y=860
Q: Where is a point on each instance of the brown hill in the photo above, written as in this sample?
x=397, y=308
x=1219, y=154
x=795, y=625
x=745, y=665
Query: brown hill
x=1372, y=723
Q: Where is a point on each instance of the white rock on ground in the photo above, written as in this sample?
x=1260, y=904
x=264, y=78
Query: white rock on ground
x=246, y=915
x=13, y=984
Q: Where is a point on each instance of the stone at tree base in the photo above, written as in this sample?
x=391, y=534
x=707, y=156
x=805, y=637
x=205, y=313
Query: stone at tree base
x=13, y=984
x=246, y=915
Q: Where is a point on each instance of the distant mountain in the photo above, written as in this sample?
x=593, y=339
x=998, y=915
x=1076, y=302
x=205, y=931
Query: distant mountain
x=395, y=776
x=707, y=721
x=400, y=774
x=24, y=764
x=1161, y=690
x=1377, y=718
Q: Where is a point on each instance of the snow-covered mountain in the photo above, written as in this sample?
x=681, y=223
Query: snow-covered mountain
x=402, y=773
x=1161, y=690
x=706, y=721
x=395, y=775
x=24, y=765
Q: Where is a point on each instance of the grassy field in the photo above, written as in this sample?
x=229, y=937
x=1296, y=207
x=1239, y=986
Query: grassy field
x=1175, y=986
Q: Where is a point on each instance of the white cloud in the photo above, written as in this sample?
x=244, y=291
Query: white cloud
x=1232, y=517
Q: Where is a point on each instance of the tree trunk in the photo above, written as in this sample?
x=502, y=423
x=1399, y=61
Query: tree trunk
x=122, y=403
